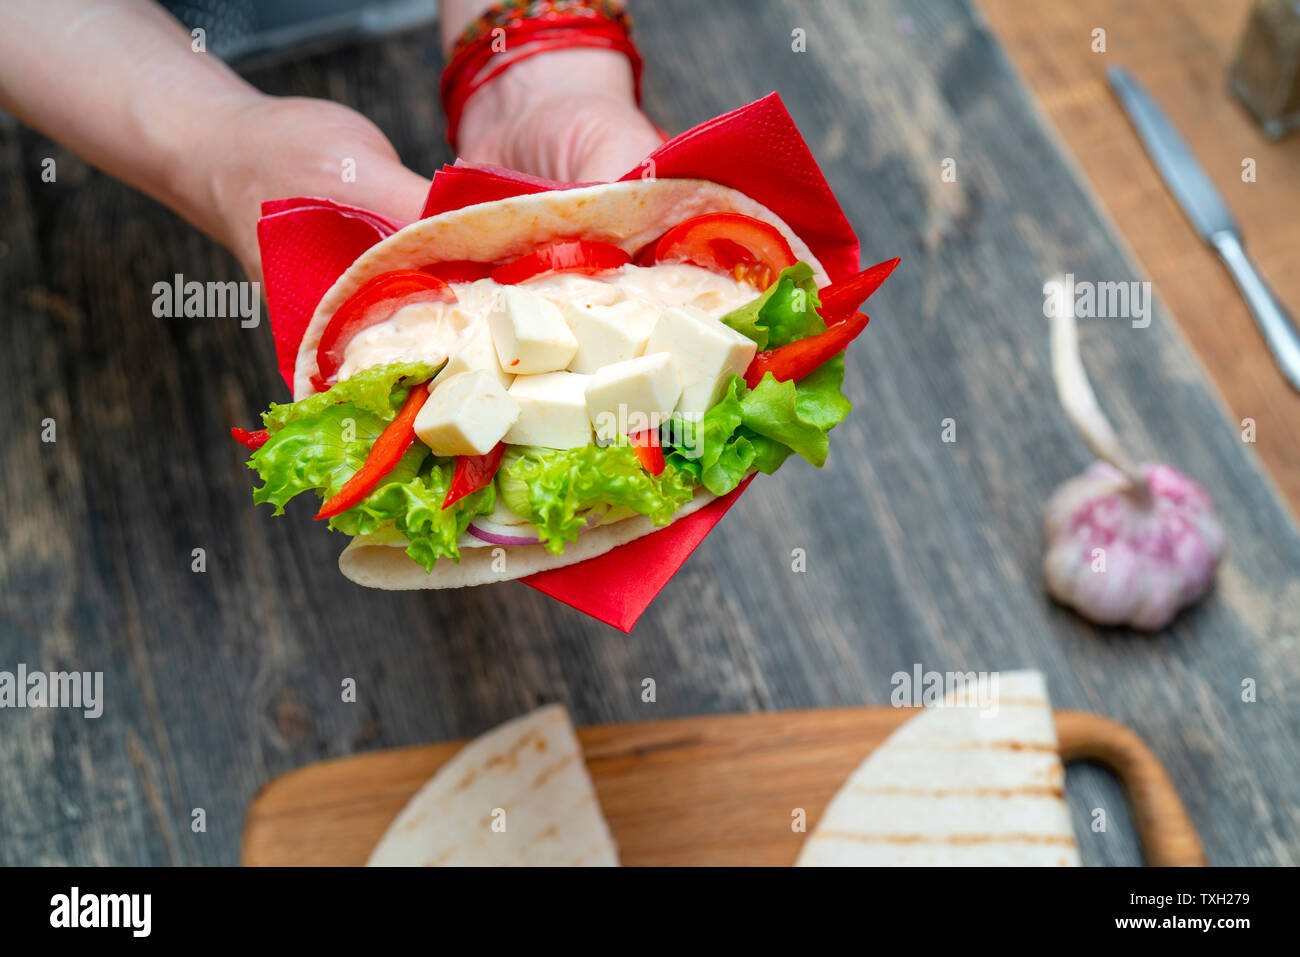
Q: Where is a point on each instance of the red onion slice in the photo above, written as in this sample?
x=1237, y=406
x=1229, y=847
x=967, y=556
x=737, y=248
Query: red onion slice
x=492, y=538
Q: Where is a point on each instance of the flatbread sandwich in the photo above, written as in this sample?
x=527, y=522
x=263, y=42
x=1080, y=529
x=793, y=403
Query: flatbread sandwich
x=527, y=383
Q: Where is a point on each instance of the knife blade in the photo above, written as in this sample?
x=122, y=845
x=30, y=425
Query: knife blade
x=1209, y=216
x=1172, y=157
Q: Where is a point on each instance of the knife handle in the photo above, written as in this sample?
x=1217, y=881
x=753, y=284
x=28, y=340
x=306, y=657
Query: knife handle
x=1278, y=328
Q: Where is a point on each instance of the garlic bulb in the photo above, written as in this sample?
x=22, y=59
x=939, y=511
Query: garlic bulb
x=1121, y=561
x=1126, y=544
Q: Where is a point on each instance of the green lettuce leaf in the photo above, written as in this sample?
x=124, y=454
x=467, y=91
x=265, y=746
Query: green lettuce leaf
x=757, y=429
x=768, y=453
x=366, y=517
x=719, y=458
x=554, y=488
x=785, y=312
x=799, y=414
x=319, y=443
x=310, y=455
x=380, y=390
x=819, y=396
x=316, y=454
x=410, y=498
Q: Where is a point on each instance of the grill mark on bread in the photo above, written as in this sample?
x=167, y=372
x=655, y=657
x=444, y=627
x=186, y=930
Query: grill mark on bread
x=1049, y=747
x=954, y=839
x=438, y=861
x=549, y=831
x=1024, y=790
x=545, y=774
x=1018, y=702
x=507, y=759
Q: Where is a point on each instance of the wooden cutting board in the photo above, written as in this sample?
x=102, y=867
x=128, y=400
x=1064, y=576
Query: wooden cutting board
x=709, y=790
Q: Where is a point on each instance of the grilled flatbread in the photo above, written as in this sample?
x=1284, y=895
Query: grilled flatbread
x=519, y=795
x=956, y=786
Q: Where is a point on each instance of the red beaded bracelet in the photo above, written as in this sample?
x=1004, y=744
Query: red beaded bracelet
x=515, y=30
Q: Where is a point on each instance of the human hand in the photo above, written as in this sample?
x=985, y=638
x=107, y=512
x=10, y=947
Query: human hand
x=134, y=97
x=567, y=115
x=272, y=147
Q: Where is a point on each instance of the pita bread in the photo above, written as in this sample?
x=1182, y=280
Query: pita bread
x=956, y=787
x=528, y=774
x=387, y=566
x=628, y=215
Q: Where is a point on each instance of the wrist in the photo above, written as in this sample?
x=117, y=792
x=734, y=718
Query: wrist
x=208, y=172
x=562, y=79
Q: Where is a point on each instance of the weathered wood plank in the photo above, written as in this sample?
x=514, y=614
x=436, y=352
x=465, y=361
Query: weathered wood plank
x=918, y=551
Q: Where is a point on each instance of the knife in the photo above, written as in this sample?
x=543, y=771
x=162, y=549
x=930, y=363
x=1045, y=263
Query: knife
x=1209, y=216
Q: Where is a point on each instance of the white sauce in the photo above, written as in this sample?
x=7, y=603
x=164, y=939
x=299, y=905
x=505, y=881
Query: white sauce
x=434, y=331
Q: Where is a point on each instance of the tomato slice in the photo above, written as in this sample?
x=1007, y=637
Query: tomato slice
x=374, y=302
x=384, y=455
x=842, y=299
x=458, y=270
x=729, y=243
x=570, y=255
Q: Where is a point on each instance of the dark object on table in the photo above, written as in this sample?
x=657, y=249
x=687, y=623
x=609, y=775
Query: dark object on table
x=245, y=32
x=1266, y=74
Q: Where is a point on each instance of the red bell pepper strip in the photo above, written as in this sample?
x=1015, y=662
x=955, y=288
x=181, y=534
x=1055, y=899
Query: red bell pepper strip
x=254, y=440
x=648, y=450
x=794, y=360
x=384, y=455
x=842, y=299
x=473, y=472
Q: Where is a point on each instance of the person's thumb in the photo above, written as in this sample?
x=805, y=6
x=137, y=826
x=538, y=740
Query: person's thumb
x=397, y=193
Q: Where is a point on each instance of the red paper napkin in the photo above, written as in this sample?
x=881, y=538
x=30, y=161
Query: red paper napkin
x=306, y=245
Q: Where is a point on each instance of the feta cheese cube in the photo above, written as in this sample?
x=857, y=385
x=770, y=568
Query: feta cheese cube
x=552, y=410
x=633, y=395
x=529, y=333
x=609, y=334
x=466, y=414
x=477, y=354
x=706, y=352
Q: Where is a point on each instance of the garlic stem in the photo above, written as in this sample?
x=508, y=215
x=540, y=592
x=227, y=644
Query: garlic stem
x=1080, y=401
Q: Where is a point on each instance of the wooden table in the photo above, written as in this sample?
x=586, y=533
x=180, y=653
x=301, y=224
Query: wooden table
x=1181, y=50
x=918, y=551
